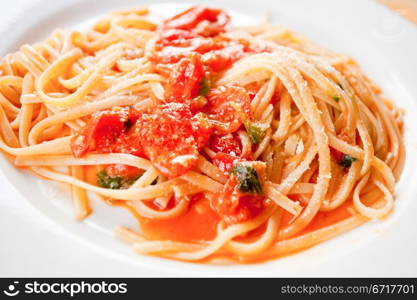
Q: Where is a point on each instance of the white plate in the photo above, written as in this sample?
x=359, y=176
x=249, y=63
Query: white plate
x=384, y=44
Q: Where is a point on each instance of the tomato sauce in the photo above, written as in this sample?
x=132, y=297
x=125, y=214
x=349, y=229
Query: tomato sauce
x=323, y=219
x=197, y=224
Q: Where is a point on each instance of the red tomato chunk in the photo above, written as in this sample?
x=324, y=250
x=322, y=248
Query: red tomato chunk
x=225, y=161
x=167, y=138
x=226, y=107
x=235, y=207
x=102, y=131
x=201, y=20
x=228, y=144
x=184, y=81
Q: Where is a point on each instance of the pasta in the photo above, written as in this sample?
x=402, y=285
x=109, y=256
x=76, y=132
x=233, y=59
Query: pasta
x=242, y=143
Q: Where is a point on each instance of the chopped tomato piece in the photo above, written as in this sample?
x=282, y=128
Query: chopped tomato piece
x=101, y=132
x=221, y=59
x=199, y=19
x=225, y=161
x=235, y=207
x=176, y=37
x=218, y=53
x=202, y=129
x=228, y=144
x=184, y=39
x=173, y=54
x=227, y=52
x=175, y=44
x=167, y=137
x=123, y=171
x=226, y=106
x=128, y=143
x=185, y=79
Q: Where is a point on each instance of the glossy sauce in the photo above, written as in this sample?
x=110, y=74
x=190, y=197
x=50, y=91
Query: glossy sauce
x=197, y=224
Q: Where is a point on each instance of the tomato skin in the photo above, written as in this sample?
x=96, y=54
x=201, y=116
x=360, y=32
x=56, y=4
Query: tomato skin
x=235, y=207
x=199, y=19
x=225, y=115
x=228, y=144
x=165, y=134
x=101, y=132
x=184, y=81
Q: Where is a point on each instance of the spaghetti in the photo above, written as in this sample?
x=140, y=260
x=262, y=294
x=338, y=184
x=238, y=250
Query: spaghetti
x=244, y=143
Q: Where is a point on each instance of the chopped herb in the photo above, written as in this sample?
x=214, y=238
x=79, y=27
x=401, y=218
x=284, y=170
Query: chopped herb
x=346, y=161
x=336, y=98
x=204, y=86
x=104, y=180
x=248, y=181
x=255, y=132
